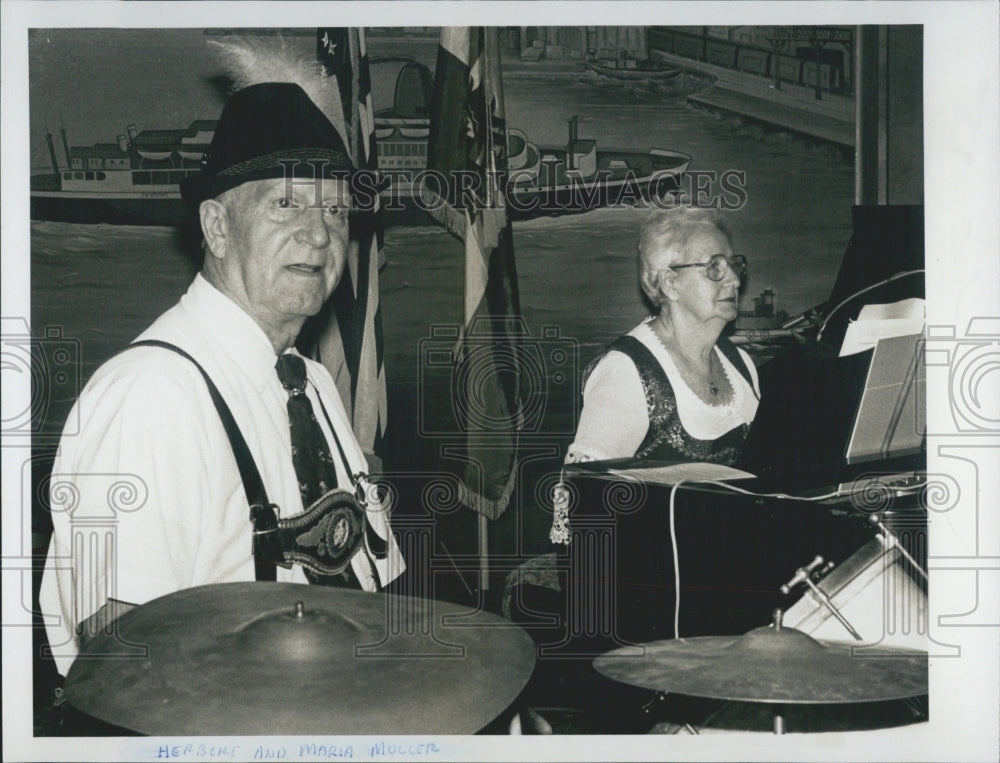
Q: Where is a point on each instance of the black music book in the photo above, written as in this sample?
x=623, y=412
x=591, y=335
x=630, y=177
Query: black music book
x=807, y=409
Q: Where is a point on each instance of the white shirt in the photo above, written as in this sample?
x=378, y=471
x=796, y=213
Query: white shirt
x=180, y=516
x=615, y=418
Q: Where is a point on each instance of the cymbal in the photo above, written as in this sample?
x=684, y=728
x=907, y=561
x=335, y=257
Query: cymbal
x=284, y=658
x=769, y=665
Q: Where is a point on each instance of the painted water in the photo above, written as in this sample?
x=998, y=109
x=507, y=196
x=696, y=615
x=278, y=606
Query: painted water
x=103, y=284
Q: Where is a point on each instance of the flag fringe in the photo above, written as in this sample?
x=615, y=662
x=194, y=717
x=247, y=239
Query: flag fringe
x=452, y=219
x=489, y=508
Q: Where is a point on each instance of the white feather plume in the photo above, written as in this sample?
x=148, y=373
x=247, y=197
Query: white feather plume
x=254, y=60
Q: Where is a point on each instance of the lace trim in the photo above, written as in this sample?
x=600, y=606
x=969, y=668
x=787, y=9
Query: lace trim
x=730, y=403
x=736, y=401
x=578, y=456
x=560, y=532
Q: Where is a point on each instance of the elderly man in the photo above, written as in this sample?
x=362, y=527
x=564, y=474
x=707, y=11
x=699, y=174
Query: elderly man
x=272, y=197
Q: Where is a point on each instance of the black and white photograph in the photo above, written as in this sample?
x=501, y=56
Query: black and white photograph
x=543, y=381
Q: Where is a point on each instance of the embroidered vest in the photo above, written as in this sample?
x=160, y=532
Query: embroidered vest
x=666, y=439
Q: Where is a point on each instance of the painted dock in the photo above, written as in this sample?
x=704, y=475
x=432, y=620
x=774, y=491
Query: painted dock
x=776, y=114
x=792, y=107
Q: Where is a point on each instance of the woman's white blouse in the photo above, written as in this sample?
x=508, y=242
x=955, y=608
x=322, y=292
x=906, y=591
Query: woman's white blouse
x=615, y=418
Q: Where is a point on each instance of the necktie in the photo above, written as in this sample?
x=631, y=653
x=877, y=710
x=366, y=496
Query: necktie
x=310, y=452
x=311, y=456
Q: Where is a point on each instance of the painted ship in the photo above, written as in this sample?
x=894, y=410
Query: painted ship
x=761, y=331
x=135, y=181
x=541, y=180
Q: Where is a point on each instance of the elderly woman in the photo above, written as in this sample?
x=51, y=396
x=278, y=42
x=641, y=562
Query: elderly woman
x=674, y=388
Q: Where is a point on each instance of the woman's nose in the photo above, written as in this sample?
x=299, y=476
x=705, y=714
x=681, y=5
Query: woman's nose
x=729, y=276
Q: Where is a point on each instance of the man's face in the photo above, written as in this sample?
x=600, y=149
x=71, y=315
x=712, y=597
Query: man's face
x=286, y=246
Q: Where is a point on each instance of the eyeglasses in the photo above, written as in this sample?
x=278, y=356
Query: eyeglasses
x=716, y=266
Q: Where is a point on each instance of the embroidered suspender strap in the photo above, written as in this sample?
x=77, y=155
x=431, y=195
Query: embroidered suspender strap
x=727, y=348
x=262, y=512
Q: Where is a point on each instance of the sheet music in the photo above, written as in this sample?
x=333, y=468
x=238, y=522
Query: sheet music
x=882, y=322
x=674, y=473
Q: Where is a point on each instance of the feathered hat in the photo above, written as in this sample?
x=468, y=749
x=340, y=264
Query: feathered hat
x=270, y=122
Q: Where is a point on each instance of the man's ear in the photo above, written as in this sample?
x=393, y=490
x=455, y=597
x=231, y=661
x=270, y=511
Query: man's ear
x=214, y=226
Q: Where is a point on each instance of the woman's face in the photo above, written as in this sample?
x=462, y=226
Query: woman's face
x=693, y=292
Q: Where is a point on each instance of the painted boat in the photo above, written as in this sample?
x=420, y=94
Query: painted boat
x=642, y=70
x=540, y=181
x=134, y=181
x=577, y=177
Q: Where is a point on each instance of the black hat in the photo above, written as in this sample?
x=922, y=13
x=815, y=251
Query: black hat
x=263, y=128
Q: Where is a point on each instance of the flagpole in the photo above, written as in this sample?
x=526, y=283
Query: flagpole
x=484, y=554
x=491, y=76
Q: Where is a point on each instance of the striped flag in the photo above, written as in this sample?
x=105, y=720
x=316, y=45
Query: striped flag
x=346, y=336
x=467, y=147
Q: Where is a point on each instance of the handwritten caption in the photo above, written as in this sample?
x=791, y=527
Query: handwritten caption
x=301, y=751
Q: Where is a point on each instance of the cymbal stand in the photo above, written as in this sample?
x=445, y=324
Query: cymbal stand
x=661, y=696
x=779, y=710
x=892, y=541
x=779, y=719
x=804, y=575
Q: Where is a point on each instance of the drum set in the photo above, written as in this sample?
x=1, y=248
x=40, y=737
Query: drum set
x=280, y=658
x=857, y=636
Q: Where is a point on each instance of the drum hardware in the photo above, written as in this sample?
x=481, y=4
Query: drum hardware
x=454, y=566
x=804, y=575
x=284, y=658
x=916, y=708
x=891, y=541
x=658, y=698
x=871, y=588
x=779, y=720
x=778, y=711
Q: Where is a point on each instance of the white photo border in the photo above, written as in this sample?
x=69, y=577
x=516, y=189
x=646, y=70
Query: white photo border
x=962, y=196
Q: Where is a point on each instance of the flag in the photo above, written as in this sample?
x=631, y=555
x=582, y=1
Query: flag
x=467, y=148
x=346, y=336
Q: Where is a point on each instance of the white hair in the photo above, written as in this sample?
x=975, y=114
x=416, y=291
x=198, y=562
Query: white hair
x=664, y=237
